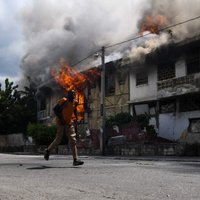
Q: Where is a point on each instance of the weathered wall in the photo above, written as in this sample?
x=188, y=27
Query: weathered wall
x=172, y=126
x=144, y=92
x=11, y=140
x=180, y=68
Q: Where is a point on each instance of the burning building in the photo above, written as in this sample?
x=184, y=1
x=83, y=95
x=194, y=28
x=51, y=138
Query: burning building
x=163, y=85
x=157, y=74
x=87, y=86
x=167, y=88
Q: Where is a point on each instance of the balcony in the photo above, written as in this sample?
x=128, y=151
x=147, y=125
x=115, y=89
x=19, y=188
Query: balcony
x=178, y=86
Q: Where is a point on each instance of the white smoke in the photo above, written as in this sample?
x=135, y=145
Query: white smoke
x=74, y=29
x=146, y=46
x=176, y=12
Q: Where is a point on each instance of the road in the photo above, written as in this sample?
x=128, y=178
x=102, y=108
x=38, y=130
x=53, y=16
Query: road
x=29, y=177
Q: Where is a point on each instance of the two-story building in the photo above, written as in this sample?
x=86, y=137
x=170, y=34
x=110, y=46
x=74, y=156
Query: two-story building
x=167, y=87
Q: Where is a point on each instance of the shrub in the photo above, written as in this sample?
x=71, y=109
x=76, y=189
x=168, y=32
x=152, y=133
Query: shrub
x=143, y=120
x=120, y=118
x=123, y=118
x=41, y=133
x=109, y=122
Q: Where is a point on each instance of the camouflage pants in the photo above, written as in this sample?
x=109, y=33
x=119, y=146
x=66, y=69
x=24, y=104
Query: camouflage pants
x=70, y=133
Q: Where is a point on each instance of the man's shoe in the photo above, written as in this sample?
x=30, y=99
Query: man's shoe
x=77, y=162
x=46, y=154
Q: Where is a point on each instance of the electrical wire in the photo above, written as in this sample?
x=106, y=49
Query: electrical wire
x=168, y=27
x=135, y=38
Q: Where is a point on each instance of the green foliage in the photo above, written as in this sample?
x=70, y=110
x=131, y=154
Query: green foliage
x=143, y=120
x=150, y=129
x=17, y=108
x=124, y=118
x=109, y=122
x=41, y=133
x=120, y=118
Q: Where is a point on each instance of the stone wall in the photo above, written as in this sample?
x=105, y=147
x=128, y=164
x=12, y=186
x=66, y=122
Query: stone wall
x=144, y=150
x=11, y=140
x=168, y=149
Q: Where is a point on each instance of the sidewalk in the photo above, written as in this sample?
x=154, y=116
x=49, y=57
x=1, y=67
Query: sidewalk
x=154, y=158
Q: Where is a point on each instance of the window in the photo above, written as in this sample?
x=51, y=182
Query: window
x=141, y=78
x=121, y=77
x=109, y=79
x=166, y=71
x=42, y=104
x=190, y=103
x=194, y=126
x=193, y=61
x=110, y=85
x=168, y=106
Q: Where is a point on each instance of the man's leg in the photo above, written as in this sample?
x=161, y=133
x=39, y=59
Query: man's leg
x=57, y=140
x=71, y=134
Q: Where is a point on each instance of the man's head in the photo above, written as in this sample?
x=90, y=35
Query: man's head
x=71, y=95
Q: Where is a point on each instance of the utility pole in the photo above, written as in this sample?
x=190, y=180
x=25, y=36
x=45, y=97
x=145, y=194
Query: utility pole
x=102, y=106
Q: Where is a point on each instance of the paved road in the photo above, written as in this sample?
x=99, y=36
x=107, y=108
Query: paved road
x=25, y=177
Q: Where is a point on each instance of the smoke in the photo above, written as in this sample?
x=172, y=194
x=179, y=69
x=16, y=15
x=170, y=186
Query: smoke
x=74, y=29
x=175, y=13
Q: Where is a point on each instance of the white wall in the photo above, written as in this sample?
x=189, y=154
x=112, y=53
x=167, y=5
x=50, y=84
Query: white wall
x=172, y=126
x=147, y=91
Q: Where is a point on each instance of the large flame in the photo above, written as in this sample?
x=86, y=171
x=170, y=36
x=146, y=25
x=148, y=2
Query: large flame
x=70, y=78
x=153, y=24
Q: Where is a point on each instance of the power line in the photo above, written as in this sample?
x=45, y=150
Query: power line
x=85, y=58
x=168, y=27
x=135, y=38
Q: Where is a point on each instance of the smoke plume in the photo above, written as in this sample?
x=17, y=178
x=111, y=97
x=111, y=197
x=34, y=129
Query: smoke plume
x=74, y=29
x=175, y=12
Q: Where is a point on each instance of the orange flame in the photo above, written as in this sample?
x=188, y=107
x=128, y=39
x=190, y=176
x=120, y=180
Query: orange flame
x=70, y=78
x=153, y=24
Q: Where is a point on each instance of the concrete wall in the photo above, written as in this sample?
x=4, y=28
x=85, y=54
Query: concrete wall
x=11, y=140
x=144, y=92
x=180, y=67
x=172, y=126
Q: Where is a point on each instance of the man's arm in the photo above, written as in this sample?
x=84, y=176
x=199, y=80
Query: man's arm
x=61, y=102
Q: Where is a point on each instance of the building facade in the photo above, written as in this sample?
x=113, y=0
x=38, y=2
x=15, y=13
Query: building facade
x=167, y=87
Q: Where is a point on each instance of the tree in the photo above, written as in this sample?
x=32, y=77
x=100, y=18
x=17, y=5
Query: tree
x=17, y=108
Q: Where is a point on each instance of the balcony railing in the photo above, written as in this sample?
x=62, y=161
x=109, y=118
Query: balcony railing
x=171, y=83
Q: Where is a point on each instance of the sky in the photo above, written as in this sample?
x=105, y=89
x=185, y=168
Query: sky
x=36, y=34
x=34, y=29
x=11, y=40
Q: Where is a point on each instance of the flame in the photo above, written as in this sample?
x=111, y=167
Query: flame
x=70, y=78
x=153, y=24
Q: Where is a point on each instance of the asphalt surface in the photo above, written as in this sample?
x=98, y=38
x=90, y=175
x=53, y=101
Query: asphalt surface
x=30, y=177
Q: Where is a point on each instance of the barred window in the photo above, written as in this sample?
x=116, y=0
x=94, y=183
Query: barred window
x=193, y=61
x=166, y=71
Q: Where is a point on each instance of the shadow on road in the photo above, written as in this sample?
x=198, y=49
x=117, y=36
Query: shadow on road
x=51, y=167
